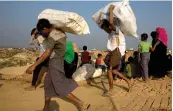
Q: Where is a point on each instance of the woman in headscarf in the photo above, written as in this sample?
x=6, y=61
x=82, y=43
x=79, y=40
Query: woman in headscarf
x=158, y=59
x=70, y=59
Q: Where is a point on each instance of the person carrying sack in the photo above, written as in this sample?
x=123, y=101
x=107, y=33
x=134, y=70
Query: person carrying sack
x=116, y=49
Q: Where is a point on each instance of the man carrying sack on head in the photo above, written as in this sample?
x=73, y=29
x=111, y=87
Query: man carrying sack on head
x=116, y=48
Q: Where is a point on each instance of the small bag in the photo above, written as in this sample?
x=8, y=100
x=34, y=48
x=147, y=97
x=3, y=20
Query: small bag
x=107, y=59
x=113, y=58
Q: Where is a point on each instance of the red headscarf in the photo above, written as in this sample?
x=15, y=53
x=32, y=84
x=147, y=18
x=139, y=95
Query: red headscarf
x=162, y=35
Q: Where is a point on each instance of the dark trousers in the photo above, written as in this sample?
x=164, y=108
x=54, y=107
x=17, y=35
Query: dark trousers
x=103, y=67
x=71, y=68
x=37, y=71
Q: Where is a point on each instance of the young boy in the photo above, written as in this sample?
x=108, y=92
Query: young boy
x=144, y=49
x=99, y=63
x=131, y=68
x=55, y=84
x=116, y=48
x=85, y=58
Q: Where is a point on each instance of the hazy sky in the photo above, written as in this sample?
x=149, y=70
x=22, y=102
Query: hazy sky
x=18, y=18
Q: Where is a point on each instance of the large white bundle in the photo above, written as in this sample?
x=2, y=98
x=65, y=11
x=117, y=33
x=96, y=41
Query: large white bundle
x=85, y=72
x=67, y=21
x=80, y=74
x=124, y=14
x=97, y=73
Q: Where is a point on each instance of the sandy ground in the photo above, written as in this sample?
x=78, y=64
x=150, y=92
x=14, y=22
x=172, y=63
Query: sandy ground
x=152, y=96
x=13, y=97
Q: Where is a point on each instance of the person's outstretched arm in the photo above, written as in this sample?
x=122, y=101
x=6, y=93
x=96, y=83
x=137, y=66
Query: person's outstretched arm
x=43, y=57
x=46, y=54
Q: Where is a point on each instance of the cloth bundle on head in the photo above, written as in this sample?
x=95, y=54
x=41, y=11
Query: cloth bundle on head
x=162, y=35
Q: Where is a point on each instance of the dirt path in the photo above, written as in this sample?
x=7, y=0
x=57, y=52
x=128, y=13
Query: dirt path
x=153, y=96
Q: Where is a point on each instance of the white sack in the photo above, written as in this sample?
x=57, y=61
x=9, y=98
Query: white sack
x=80, y=74
x=97, y=73
x=67, y=21
x=85, y=72
x=124, y=14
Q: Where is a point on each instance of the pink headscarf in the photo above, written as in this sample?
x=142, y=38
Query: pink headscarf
x=162, y=35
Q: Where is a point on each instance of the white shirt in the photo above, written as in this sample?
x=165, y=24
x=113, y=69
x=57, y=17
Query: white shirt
x=39, y=43
x=112, y=43
x=41, y=47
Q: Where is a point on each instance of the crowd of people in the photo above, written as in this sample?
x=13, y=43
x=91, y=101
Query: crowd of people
x=59, y=58
x=151, y=59
x=143, y=63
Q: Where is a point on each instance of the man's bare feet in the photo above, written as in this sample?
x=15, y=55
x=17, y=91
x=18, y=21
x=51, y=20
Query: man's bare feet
x=30, y=88
x=147, y=80
x=130, y=86
x=46, y=109
x=116, y=81
x=108, y=93
x=85, y=106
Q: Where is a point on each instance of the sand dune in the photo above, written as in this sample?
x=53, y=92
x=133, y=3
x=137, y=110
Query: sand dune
x=153, y=96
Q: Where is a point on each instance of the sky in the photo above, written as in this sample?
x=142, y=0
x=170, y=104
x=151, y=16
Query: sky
x=17, y=19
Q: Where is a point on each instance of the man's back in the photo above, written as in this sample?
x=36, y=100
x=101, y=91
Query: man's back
x=145, y=46
x=85, y=56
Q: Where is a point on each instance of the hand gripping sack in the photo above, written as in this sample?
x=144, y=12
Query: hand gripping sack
x=124, y=14
x=67, y=21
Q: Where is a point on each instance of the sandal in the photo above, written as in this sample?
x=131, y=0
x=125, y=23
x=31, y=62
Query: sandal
x=130, y=85
x=31, y=88
x=86, y=106
x=107, y=93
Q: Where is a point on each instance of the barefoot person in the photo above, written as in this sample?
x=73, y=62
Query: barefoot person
x=116, y=48
x=55, y=84
x=70, y=59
